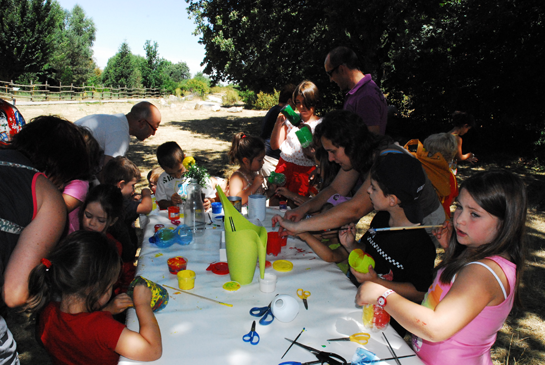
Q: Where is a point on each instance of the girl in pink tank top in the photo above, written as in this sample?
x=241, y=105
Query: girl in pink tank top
x=477, y=283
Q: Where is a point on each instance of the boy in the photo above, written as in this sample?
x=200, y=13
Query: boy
x=172, y=182
x=123, y=173
x=404, y=259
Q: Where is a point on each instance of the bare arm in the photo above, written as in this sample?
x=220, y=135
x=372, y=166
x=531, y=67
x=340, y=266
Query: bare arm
x=35, y=242
x=237, y=184
x=278, y=135
x=145, y=345
x=146, y=204
x=344, y=181
x=71, y=202
x=460, y=156
x=374, y=129
x=344, y=213
x=322, y=250
x=474, y=289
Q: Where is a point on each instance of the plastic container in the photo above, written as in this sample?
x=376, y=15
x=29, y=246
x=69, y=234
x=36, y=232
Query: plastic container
x=176, y=264
x=216, y=208
x=166, y=237
x=292, y=116
x=159, y=297
x=375, y=317
x=268, y=283
x=186, y=279
x=174, y=212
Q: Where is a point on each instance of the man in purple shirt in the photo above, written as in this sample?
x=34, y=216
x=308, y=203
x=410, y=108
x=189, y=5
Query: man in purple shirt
x=363, y=96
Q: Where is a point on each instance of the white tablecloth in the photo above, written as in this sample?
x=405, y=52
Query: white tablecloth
x=197, y=331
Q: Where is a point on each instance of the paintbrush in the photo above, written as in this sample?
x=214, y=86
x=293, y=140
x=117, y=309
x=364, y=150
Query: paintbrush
x=375, y=230
x=294, y=341
x=185, y=292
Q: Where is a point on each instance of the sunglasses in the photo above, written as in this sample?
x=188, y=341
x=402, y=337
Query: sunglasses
x=330, y=72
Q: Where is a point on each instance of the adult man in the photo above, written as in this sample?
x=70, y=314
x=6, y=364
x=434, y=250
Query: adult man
x=363, y=96
x=113, y=131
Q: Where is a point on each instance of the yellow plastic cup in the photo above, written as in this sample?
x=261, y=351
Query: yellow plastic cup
x=186, y=279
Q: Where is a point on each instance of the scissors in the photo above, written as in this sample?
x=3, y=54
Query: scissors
x=361, y=338
x=252, y=336
x=323, y=357
x=303, y=295
x=266, y=312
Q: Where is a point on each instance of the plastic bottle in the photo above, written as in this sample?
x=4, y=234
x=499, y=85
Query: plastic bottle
x=194, y=215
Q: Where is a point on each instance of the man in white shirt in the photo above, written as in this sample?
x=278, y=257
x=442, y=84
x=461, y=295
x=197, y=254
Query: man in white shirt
x=113, y=131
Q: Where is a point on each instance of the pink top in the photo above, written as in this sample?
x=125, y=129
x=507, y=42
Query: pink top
x=78, y=190
x=471, y=345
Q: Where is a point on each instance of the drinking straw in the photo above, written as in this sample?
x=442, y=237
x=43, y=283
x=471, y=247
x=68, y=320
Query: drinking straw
x=212, y=300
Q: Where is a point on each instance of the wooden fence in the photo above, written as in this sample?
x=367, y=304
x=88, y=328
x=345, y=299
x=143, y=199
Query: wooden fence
x=45, y=92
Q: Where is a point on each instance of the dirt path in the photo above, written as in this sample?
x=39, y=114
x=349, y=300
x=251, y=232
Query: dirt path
x=206, y=135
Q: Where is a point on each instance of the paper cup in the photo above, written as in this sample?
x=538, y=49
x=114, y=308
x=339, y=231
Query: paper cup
x=257, y=207
x=186, y=279
x=268, y=283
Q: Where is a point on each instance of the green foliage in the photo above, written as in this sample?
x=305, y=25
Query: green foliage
x=198, y=87
x=230, y=97
x=72, y=58
x=177, y=71
x=26, y=36
x=123, y=69
x=266, y=101
x=153, y=70
x=248, y=97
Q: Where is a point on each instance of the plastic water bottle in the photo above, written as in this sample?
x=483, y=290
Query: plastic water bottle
x=194, y=215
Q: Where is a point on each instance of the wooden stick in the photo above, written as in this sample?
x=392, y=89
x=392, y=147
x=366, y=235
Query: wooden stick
x=183, y=291
x=402, y=228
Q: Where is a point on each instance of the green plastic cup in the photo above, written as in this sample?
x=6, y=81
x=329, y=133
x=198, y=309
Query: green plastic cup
x=304, y=135
x=292, y=116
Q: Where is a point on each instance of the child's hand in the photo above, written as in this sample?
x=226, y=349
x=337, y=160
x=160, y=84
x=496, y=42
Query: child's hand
x=119, y=304
x=284, y=192
x=258, y=181
x=176, y=199
x=145, y=192
x=207, y=203
x=443, y=234
x=347, y=236
x=362, y=278
x=368, y=293
x=141, y=295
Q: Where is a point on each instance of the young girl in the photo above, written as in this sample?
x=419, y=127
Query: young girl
x=75, y=191
x=248, y=152
x=477, y=282
x=463, y=122
x=293, y=163
x=102, y=209
x=81, y=271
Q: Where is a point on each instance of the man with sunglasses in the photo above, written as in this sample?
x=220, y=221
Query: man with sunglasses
x=363, y=96
x=113, y=131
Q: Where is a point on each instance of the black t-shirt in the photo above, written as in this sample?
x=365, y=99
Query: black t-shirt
x=267, y=127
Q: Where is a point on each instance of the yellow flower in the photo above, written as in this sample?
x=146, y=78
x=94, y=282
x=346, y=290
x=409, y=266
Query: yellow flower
x=188, y=162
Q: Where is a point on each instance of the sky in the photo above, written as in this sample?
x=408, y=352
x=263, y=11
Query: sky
x=163, y=21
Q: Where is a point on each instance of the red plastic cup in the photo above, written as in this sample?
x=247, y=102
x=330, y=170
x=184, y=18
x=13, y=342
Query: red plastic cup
x=176, y=264
x=274, y=243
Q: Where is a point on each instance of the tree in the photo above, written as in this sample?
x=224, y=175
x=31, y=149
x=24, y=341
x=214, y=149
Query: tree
x=153, y=69
x=177, y=71
x=26, y=36
x=122, y=69
x=72, y=60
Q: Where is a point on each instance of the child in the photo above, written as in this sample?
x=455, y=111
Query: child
x=293, y=163
x=463, y=122
x=172, y=182
x=75, y=191
x=446, y=145
x=248, y=152
x=80, y=271
x=102, y=209
x=153, y=178
x=478, y=280
x=123, y=173
x=404, y=259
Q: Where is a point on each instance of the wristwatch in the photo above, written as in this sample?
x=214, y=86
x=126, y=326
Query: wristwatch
x=381, y=301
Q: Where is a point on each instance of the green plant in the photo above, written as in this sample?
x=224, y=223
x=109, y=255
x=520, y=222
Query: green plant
x=248, y=97
x=230, y=97
x=198, y=86
x=266, y=101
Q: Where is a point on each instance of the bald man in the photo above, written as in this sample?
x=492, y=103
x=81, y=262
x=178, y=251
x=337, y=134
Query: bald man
x=113, y=131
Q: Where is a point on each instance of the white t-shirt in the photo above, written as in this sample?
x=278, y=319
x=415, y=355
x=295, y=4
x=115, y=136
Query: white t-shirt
x=168, y=185
x=291, y=149
x=110, y=131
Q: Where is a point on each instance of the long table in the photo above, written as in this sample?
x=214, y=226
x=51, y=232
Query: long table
x=197, y=331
